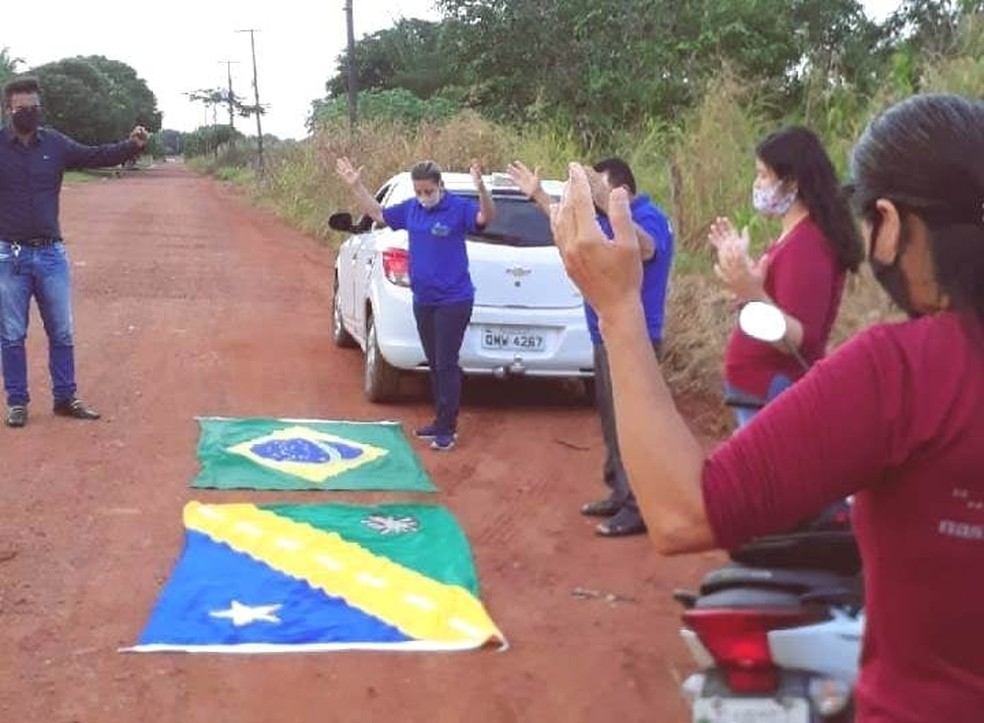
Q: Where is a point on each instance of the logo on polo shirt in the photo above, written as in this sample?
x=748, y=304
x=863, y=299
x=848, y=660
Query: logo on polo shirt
x=439, y=229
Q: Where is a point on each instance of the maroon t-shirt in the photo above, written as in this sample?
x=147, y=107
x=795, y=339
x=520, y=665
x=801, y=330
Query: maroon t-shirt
x=804, y=279
x=896, y=415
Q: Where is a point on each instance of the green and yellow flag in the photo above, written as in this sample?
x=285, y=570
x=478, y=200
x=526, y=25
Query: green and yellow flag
x=295, y=454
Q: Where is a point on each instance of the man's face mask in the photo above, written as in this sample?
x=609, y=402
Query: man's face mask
x=26, y=119
x=773, y=200
x=889, y=275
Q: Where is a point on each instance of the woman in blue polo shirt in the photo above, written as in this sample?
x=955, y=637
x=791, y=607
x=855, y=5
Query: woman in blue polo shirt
x=436, y=223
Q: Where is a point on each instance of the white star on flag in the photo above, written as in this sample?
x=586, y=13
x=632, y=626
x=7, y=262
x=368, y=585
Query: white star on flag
x=241, y=614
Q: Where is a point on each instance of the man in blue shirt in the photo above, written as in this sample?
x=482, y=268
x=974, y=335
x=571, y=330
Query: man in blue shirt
x=656, y=244
x=33, y=261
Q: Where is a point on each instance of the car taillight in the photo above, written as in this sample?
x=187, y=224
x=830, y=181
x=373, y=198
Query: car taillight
x=396, y=266
x=738, y=640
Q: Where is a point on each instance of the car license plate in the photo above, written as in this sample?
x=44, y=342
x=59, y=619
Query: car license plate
x=512, y=338
x=751, y=710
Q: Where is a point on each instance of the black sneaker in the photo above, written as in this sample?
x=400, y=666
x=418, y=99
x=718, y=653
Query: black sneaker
x=16, y=415
x=74, y=408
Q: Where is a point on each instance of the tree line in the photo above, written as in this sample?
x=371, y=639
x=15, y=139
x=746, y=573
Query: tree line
x=600, y=65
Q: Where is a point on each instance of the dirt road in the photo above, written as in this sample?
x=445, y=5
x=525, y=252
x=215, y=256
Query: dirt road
x=188, y=302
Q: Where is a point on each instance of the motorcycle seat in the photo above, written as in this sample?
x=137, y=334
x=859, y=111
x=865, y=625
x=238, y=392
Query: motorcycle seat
x=792, y=580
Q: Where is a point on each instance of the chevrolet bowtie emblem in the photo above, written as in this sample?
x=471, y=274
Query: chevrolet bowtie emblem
x=519, y=271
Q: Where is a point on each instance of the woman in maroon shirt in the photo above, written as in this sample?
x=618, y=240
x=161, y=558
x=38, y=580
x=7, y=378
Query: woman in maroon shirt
x=895, y=416
x=802, y=271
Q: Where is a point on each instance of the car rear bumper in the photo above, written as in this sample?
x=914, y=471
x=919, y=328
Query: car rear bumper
x=565, y=347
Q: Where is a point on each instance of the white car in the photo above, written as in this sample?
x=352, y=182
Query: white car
x=528, y=317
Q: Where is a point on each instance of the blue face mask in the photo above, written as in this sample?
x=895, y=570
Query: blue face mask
x=772, y=200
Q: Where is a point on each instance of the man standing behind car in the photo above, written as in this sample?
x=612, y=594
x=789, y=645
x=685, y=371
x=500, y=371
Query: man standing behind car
x=33, y=261
x=656, y=242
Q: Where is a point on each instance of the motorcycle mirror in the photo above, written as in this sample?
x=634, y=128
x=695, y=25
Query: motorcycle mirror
x=340, y=222
x=762, y=321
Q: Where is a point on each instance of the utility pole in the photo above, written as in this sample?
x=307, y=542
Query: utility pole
x=353, y=92
x=229, y=97
x=256, y=96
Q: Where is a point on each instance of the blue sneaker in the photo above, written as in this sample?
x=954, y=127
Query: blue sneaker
x=426, y=432
x=443, y=442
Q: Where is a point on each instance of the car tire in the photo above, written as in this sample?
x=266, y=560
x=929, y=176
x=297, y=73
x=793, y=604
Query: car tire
x=339, y=335
x=381, y=381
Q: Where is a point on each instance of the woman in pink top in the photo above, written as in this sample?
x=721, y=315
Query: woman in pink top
x=802, y=272
x=895, y=416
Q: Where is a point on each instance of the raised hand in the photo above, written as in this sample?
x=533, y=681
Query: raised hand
x=348, y=172
x=526, y=180
x=139, y=136
x=743, y=276
x=600, y=190
x=607, y=271
x=723, y=234
x=476, y=173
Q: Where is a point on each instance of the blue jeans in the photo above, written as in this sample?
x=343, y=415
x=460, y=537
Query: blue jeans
x=743, y=415
x=42, y=273
x=442, y=329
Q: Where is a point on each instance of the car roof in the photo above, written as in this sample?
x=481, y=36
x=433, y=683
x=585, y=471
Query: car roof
x=497, y=181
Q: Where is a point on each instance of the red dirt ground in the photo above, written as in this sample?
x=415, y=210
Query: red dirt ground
x=189, y=302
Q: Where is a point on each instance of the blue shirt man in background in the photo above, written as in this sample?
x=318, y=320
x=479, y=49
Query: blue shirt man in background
x=656, y=242
x=33, y=261
x=656, y=246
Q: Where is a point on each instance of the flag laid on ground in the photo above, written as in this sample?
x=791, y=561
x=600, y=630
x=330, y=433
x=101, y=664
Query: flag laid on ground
x=297, y=454
x=275, y=578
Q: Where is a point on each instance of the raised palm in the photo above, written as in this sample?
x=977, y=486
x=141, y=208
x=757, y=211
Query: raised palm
x=347, y=170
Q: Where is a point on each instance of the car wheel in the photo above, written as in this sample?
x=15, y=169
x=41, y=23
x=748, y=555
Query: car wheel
x=382, y=380
x=339, y=335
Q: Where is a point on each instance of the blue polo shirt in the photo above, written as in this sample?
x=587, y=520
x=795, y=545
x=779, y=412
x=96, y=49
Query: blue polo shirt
x=438, y=256
x=655, y=271
x=31, y=178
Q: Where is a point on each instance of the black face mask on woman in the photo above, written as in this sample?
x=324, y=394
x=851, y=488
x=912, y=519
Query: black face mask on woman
x=889, y=276
x=26, y=120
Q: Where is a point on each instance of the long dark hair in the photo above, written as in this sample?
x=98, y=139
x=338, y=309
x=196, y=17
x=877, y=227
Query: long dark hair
x=796, y=154
x=926, y=155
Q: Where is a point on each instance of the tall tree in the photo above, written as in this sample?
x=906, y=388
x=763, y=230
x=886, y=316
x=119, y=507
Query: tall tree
x=95, y=100
x=409, y=55
x=8, y=65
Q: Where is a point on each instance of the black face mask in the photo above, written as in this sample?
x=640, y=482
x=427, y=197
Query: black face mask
x=890, y=276
x=26, y=120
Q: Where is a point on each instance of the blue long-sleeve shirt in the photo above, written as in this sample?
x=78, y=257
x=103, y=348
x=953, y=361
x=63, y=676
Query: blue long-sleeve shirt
x=31, y=178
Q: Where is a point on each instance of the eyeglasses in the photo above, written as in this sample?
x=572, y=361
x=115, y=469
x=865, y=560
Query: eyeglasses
x=15, y=109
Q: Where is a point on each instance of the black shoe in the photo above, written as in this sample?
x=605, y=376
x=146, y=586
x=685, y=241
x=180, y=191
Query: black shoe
x=16, y=415
x=626, y=521
x=601, y=508
x=74, y=408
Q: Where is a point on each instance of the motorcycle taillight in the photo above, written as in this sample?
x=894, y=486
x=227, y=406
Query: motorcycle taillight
x=738, y=639
x=396, y=266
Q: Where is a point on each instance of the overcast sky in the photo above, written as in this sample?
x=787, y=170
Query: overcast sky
x=177, y=46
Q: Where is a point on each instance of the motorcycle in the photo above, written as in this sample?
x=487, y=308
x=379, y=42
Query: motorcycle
x=776, y=633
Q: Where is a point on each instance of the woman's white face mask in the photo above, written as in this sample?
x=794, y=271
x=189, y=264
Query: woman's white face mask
x=429, y=200
x=772, y=200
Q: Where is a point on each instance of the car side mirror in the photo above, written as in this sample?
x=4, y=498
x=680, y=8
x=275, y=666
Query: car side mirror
x=341, y=222
x=762, y=321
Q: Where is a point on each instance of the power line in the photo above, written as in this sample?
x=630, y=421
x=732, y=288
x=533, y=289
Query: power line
x=230, y=96
x=256, y=95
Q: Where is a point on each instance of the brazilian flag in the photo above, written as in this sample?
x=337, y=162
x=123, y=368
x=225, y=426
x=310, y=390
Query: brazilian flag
x=276, y=578
x=285, y=454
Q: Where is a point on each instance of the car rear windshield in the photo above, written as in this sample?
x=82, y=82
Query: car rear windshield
x=518, y=222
